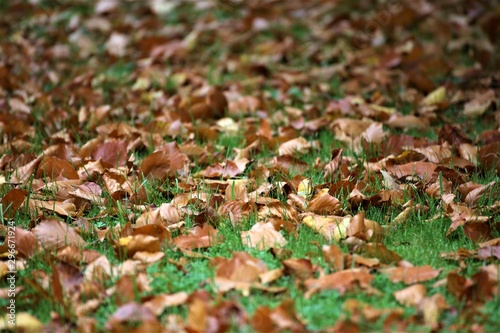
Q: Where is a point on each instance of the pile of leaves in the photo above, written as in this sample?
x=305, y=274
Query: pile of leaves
x=272, y=154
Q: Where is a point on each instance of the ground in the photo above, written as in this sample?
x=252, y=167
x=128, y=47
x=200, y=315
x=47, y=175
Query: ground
x=202, y=166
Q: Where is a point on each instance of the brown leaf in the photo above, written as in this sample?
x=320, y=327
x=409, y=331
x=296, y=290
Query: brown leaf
x=169, y=213
x=155, y=230
x=289, y=163
x=61, y=208
x=236, y=210
x=422, y=169
x=410, y=275
x=356, y=227
x=217, y=102
x=200, y=237
x=489, y=252
x=89, y=191
x=358, y=261
x=26, y=243
x=54, y=234
x=75, y=256
x=489, y=156
x=53, y=167
x=342, y=281
x=278, y=210
x=295, y=146
x=160, y=302
x=148, y=258
x=166, y=162
x=411, y=296
x=12, y=201
x=128, y=246
x=333, y=256
x=99, y=270
x=241, y=272
x=477, y=232
x=301, y=268
x=112, y=153
x=262, y=236
x=56, y=286
x=493, y=242
x=197, y=319
x=458, y=285
x=133, y=317
x=479, y=104
x=21, y=174
x=270, y=276
x=227, y=170
x=236, y=191
x=408, y=122
x=324, y=203
x=149, y=218
x=379, y=251
x=282, y=318
x=124, y=290
x=453, y=135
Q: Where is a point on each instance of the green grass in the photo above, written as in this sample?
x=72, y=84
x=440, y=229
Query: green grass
x=411, y=241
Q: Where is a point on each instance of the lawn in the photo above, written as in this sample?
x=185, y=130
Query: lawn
x=249, y=166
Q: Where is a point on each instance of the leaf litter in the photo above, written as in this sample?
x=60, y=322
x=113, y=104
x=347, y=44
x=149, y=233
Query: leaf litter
x=158, y=134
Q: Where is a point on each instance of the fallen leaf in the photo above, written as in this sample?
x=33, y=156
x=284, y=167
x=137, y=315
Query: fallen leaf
x=24, y=322
x=61, y=208
x=411, y=296
x=199, y=237
x=342, y=281
x=128, y=246
x=332, y=167
x=53, y=167
x=241, y=272
x=479, y=104
x=54, y=234
x=159, y=303
x=133, y=317
x=333, y=256
x=301, y=268
x=166, y=162
x=435, y=97
x=295, y=146
x=12, y=201
x=410, y=275
x=281, y=318
x=324, y=203
x=262, y=236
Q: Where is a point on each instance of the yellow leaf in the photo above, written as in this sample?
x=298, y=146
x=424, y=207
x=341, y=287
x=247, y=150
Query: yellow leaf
x=435, y=97
x=305, y=188
x=24, y=322
x=125, y=240
x=383, y=109
x=332, y=227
